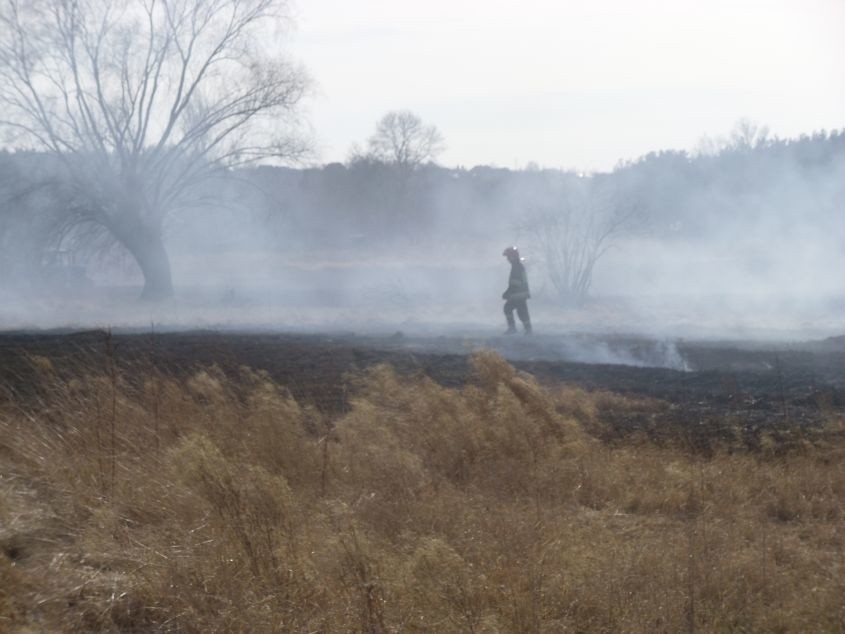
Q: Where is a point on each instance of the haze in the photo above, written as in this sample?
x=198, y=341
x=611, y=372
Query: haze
x=666, y=168
x=577, y=85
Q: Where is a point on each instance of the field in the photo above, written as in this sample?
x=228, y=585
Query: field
x=212, y=481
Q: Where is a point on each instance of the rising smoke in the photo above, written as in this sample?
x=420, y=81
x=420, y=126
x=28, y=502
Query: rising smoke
x=743, y=242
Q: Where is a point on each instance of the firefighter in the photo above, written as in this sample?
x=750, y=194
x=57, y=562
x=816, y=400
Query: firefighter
x=517, y=294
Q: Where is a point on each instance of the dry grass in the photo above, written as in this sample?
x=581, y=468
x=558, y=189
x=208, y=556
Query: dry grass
x=146, y=503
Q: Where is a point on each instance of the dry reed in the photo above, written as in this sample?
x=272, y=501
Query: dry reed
x=142, y=502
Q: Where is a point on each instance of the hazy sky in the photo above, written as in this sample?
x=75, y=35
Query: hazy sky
x=571, y=83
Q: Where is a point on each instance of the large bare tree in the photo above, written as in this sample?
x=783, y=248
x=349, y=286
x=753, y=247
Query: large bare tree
x=142, y=101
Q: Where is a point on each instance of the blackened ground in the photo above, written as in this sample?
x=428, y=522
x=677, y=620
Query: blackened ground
x=707, y=390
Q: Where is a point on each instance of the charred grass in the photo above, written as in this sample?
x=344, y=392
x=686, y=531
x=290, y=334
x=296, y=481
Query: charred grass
x=133, y=500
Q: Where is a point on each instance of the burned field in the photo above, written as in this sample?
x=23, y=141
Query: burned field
x=724, y=390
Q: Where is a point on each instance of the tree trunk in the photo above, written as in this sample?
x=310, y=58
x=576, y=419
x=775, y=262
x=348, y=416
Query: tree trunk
x=147, y=247
x=155, y=265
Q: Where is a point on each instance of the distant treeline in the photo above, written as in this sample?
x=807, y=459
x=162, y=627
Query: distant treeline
x=745, y=182
x=679, y=194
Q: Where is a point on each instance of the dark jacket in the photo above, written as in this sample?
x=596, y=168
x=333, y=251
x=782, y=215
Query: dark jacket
x=517, y=283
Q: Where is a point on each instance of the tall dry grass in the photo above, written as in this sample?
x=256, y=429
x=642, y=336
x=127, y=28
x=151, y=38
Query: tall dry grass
x=135, y=501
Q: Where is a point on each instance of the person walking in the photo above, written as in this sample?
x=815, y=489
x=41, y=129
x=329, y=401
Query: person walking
x=517, y=294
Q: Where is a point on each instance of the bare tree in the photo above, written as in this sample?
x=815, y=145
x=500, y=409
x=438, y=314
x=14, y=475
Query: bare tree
x=402, y=139
x=571, y=236
x=748, y=135
x=141, y=101
x=744, y=136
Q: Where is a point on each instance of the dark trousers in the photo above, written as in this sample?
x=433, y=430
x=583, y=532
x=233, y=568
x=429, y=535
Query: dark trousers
x=521, y=308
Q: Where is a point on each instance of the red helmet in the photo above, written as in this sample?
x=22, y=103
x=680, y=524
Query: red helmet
x=511, y=251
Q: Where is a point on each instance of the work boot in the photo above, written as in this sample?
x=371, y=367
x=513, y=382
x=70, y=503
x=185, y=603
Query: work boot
x=527, y=326
x=510, y=331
